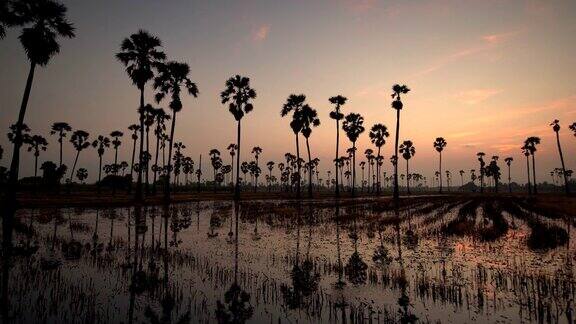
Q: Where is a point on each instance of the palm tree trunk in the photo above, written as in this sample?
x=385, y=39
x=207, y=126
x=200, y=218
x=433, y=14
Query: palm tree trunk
x=407, y=178
x=60, y=140
x=566, y=186
x=396, y=193
x=170, y=141
x=138, y=196
x=156, y=163
x=232, y=165
x=440, y=175
x=534, y=174
x=147, y=182
x=237, y=186
x=528, y=171
x=99, y=172
x=509, y=179
x=298, y=166
x=74, y=166
x=353, y=168
x=336, y=159
x=35, y=166
x=132, y=167
x=378, y=190
x=309, y=169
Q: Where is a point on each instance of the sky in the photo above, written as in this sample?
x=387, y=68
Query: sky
x=484, y=75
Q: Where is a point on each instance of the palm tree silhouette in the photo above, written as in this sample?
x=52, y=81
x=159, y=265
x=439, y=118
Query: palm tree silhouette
x=462, y=172
x=239, y=95
x=439, y=145
x=362, y=167
x=216, y=162
x=556, y=127
x=82, y=174
x=80, y=142
x=378, y=134
x=353, y=126
x=508, y=161
x=36, y=143
x=60, y=128
x=270, y=165
x=338, y=101
x=141, y=55
x=573, y=128
x=256, y=151
x=44, y=22
x=397, y=104
x=294, y=104
x=160, y=117
x=369, y=153
x=526, y=153
x=308, y=118
x=172, y=79
x=480, y=156
x=149, y=119
x=116, y=142
x=135, y=129
x=101, y=143
x=530, y=144
x=407, y=150
x=232, y=150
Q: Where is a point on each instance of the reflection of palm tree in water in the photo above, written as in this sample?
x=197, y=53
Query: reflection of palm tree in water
x=404, y=300
x=340, y=283
x=236, y=307
x=356, y=267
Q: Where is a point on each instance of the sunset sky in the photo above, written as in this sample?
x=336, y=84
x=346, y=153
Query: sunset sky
x=484, y=75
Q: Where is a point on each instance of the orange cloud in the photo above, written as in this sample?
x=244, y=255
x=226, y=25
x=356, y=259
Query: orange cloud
x=476, y=96
x=260, y=34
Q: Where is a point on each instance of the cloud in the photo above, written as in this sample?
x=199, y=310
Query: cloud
x=260, y=34
x=476, y=96
x=359, y=6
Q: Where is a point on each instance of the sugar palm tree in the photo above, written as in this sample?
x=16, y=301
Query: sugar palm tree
x=397, y=91
x=141, y=54
x=294, y=105
x=79, y=140
x=508, y=161
x=573, y=128
x=172, y=79
x=480, y=156
x=308, y=119
x=135, y=129
x=149, y=119
x=407, y=150
x=531, y=143
x=44, y=22
x=116, y=142
x=378, y=134
x=239, y=95
x=82, y=175
x=36, y=143
x=232, y=150
x=461, y=177
x=353, y=126
x=439, y=145
x=101, y=143
x=270, y=165
x=61, y=129
x=526, y=153
x=362, y=167
x=556, y=127
x=256, y=151
x=338, y=101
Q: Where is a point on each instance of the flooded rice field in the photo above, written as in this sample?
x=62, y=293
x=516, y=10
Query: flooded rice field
x=433, y=260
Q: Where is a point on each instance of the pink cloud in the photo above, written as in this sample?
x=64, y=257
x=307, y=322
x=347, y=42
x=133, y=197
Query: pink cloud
x=476, y=96
x=260, y=34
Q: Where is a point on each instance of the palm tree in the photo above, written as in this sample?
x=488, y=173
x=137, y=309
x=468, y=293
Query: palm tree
x=556, y=127
x=116, y=142
x=101, y=143
x=172, y=79
x=232, y=150
x=239, y=95
x=461, y=177
x=79, y=140
x=294, y=104
x=338, y=101
x=573, y=128
x=270, y=165
x=362, y=167
x=439, y=145
x=508, y=161
x=82, y=174
x=353, y=126
x=526, y=153
x=141, y=54
x=378, y=134
x=135, y=129
x=480, y=156
x=216, y=162
x=161, y=117
x=407, y=150
x=531, y=143
x=397, y=104
x=44, y=21
x=61, y=129
x=149, y=119
x=36, y=143
x=256, y=151
x=308, y=118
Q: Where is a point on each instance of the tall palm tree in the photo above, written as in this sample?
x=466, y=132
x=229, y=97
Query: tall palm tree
x=369, y=153
x=407, y=150
x=270, y=165
x=256, y=151
x=556, y=127
x=526, y=153
x=141, y=54
x=172, y=79
x=79, y=140
x=480, y=156
x=338, y=101
x=61, y=129
x=362, y=167
x=239, y=95
x=508, y=161
x=135, y=129
x=378, y=134
x=294, y=105
x=101, y=143
x=149, y=119
x=397, y=91
x=43, y=22
x=308, y=118
x=116, y=142
x=439, y=145
x=353, y=126
x=36, y=143
x=161, y=117
x=232, y=150
x=462, y=172
x=531, y=143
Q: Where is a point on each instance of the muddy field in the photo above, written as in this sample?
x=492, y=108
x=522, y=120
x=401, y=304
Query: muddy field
x=443, y=259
